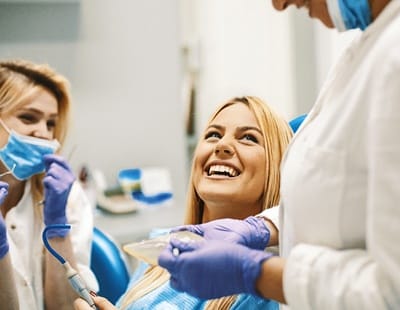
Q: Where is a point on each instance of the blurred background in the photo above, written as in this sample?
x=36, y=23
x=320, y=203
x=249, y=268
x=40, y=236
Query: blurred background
x=146, y=74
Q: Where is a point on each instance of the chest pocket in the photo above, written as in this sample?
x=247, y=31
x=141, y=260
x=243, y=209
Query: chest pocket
x=312, y=191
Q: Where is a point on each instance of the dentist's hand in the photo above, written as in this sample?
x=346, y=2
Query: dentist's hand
x=212, y=269
x=3, y=229
x=57, y=186
x=251, y=232
x=100, y=302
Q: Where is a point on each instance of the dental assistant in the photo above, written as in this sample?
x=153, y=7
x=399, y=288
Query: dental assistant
x=339, y=210
x=38, y=188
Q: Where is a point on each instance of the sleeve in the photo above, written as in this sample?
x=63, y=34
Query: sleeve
x=318, y=277
x=80, y=216
x=271, y=214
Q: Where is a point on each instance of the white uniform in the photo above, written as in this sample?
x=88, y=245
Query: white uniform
x=24, y=231
x=340, y=207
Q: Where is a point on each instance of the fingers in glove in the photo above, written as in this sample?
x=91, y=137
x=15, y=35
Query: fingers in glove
x=197, y=229
x=183, y=246
x=3, y=186
x=59, y=160
x=3, y=191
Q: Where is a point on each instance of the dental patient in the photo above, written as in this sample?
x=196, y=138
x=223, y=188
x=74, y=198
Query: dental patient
x=234, y=175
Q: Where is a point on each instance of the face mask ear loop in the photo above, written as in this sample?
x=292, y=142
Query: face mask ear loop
x=47, y=244
x=5, y=127
x=9, y=171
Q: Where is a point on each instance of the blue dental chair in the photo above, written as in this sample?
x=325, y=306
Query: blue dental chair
x=296, y=122
x=109, y=266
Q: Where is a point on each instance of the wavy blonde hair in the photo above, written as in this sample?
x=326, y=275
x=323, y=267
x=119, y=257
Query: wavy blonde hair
x=277, y=135
x=19, y=81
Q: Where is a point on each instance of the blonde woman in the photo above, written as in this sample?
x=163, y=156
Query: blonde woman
x=38, y=188
x=235, y=174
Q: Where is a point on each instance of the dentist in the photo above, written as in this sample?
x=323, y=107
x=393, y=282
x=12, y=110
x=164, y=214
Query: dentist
x=37, y=189
x=340, y=198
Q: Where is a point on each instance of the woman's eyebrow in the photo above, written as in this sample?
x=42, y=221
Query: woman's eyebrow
x=246, y=128
x=215, y=126
x=36, y=111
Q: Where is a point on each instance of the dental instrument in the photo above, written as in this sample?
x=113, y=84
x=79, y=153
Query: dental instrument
x=73, y=276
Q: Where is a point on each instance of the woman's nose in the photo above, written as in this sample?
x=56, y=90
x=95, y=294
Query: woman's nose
x=41, y=131
x=224, y=149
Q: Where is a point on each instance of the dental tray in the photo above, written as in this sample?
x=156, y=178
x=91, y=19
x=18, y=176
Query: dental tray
x=149, y=250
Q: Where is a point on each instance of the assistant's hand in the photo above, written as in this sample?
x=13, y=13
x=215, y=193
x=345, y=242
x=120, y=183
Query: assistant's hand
x=3, y=230
x=212, y=269
x=57, y=185
x=251, y=232
x=100, y=302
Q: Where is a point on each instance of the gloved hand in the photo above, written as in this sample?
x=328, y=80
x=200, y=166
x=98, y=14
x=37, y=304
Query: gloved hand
x=3, y=229
x=57, y=185
x=251, y=232
x=212, y=269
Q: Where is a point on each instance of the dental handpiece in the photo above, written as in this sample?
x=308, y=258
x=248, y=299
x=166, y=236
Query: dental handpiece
x=78, y=284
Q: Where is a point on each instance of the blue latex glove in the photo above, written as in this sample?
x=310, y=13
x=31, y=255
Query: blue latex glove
x=3, y=229
x=251, y=232
x=57, y=186
x=212, y=269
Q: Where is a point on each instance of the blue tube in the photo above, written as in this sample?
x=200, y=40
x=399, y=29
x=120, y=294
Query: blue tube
x=46, y=241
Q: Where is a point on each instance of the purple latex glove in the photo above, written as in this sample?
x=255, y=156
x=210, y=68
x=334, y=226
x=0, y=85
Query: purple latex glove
x=3, y=229
x=251, y=232
x=212, y=269
x=57, y=185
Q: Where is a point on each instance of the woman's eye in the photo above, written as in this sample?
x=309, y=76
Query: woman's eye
x=28, y=118
x=51, y=124
x=250, y=137
x=213, y=134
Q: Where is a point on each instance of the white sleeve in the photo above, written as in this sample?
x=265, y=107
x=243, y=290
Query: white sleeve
x=271, y=214
x=318, y=277
x=80, y=216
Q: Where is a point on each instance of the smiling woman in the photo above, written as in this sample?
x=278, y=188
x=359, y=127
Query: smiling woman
x=230, y=170
x=235, y=174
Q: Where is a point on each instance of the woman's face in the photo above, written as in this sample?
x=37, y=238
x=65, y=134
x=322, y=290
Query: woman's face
x=316, y=9
x=229, y=162
x=36, y=118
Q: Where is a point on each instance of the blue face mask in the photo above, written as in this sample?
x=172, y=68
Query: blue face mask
x=23, y=155
x=349, y=14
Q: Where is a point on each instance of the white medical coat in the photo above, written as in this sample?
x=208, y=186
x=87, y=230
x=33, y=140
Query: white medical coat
x=24, y=231
x=340, y=206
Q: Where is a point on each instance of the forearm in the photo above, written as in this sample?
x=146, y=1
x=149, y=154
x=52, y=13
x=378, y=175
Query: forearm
x=270, y=281
x=58, y=291
x=8, y=290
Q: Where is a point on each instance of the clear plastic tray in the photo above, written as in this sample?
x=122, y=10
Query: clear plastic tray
x=149, y=250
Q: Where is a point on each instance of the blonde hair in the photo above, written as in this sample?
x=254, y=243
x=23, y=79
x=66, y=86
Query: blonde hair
x=19, y=81
x=276, y=134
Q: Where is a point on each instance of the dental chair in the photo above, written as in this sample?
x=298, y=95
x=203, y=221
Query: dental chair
x=296, y=122
x=109, y=266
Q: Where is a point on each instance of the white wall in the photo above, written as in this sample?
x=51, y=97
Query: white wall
x=243, y=48
x=123, y=60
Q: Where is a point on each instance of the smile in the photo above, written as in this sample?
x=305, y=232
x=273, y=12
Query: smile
x=222, y=170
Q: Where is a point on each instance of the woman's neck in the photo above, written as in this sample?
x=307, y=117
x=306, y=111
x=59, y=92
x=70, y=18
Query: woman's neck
x=214, y=211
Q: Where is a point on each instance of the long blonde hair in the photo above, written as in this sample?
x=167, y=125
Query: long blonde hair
x=19, y=80
x=276, y=134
